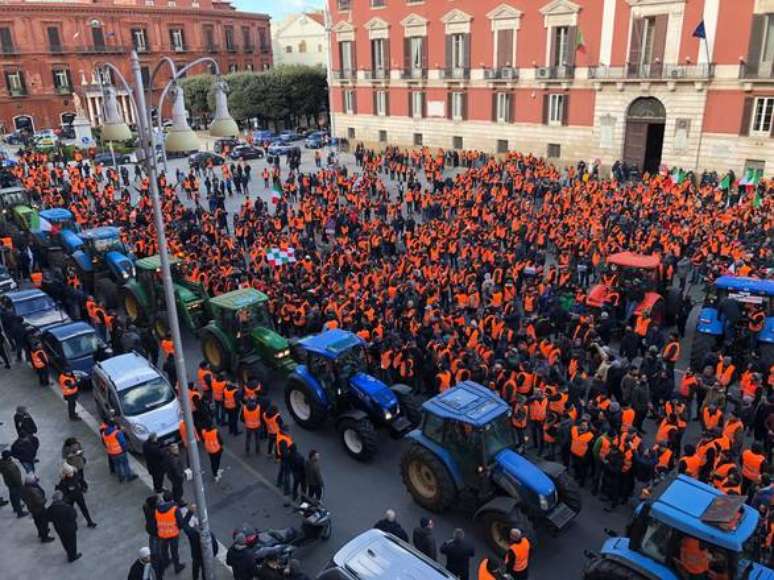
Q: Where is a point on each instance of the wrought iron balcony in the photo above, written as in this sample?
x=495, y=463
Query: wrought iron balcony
x=249, y=48
x=413, y=73
x=63, y=90
x=563, y=72
x=754, y=71
x=103, y=49
x=17, y=92
x=506, y=73
x=377, y=74
x=455, y=73
x=344, y=74
x=655, y=71
x=8, y=50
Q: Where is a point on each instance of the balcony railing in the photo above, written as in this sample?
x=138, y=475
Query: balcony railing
x=378, y=74
x=413, y=73
x=750, y=71
x=264, y=48
x=55, y=48
x=455, y=73
x=562, y=72
x=231, y=48
x=655, y=71
x=503, y=74
x=17, y=92
x=249, y=48
x=63, y=90
x=102, y=49
x=8, y=50
x=212, y=48
x=344, y=74
x=179, y=48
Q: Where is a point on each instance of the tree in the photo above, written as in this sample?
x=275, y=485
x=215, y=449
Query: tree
x=196, y=90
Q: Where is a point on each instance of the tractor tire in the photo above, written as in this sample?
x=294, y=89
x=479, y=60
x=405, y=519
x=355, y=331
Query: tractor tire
x=411, y=408
x=601, y=568
x=215, y=353
x=327, y=531
x=569, y=492
x=673, y=300
x=303, y=405
x=702, y=345
x=106, y=292
x=427, y=479
x=497, y=527
x=358, y=438
x=132, y=306
x=767, y=353
x=161, y=325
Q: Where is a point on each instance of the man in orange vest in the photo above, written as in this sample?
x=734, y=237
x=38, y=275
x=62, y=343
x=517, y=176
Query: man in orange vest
x=489, y=569
x=251, y=417
x=39, y=360
x=580, y=447
x=284, y=450
x=753, y=466
x=68, y=384
x=168, y=522
x=231, y=406
x=693, y=560
x=213, y=445
x=517, y=556
x=117, y=447
x=272, y=421
x=218, y=386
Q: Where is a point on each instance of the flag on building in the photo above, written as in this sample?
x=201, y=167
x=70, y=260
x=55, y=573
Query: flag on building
x=700, y=31
x=580, y=42
x=280, y=257
x=752, y=177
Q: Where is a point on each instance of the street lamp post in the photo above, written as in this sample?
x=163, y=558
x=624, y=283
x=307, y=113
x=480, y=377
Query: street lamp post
x=115, y=129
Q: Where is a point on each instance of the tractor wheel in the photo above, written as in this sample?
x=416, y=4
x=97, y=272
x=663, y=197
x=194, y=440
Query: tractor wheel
x=214, y=352
x=702, y=345
x=132, y=307
x=569, y=492
x=411, y=408
x=498, y=525
x=327, y=531
x=427, y=479
x=359, y=438
x=160, y=325
x=673, y=301
x=303, y=405
x=601, y=568
x=767, y=353
x=106, y=292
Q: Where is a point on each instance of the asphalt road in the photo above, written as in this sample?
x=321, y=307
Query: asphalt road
x=357, y=494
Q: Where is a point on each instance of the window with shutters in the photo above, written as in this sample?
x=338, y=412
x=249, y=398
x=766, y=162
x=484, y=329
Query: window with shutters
x=62, y=84
x=457, y=106
x=139, y=39
x=561, y=39
x=14, y=81
x=418, y=139
x=54, y=39
x=767, y=51
x=646, y=49
x=503, y=108
x=345, y=50
x=98, y=37
x=289, y=49
x=415, y=52
x=6, y=40
x=350, y=132
x=555, y=109
x=145, y=75
x=378, y=56
x=302, y=46
x=228, y=36
x=349, y=101
x=380, y=98
x=177, y=39
x=762, y=116
x=504, y=41
x=417, y=104
x=458, y=49
x=554, y=150
x=457, y=142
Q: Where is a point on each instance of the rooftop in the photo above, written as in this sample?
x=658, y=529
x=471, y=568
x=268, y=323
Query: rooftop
x=70, y=329
x=331, y=343
x=467, y=402
x=239, y=299
x=128, y=370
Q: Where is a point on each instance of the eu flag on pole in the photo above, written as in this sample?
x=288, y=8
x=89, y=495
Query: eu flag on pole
x=699, y=32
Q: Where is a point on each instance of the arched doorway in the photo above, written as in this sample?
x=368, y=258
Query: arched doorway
x=645, y=121
x=23, y=122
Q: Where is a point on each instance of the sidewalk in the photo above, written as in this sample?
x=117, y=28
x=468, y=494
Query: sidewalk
x=108, y=550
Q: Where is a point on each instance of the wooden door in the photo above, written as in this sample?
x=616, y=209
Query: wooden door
x=635, y=142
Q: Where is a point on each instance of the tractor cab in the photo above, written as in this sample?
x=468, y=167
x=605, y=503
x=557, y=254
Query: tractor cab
x=334, y=358
x=100, y=241
x=53, y=222
x=689, y=529
x=18, y=209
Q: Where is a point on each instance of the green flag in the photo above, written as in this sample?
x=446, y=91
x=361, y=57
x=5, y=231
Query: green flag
x=726, y=183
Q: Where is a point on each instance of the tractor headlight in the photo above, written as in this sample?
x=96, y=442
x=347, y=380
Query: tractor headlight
x=125, y=274
x=387, y=415
x=544, y=503
x=283, y=353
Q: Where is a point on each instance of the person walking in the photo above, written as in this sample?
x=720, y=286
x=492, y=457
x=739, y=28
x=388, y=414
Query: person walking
x=117, y=448
x=175, y=470
x=389, y=523
x=458, y=552
x=191, y=529
x=72, y=453
x=72, y=488
x=251, y=417
x=517, y=556
x=231, y=404
x=313, y=475
x=40, y=363
x=284, y=446
x=241, y=559
x=169, y=523
x=35, y=499
x=25, y=449
x=423, y=538
x=297, y=467
x=155, y=461
x=65, y=521
x=68, y=384
x=142, y=569
x=213, y=444
x=23, y=422
x=12, y=478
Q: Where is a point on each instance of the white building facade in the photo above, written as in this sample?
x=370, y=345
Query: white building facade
x=300, y=39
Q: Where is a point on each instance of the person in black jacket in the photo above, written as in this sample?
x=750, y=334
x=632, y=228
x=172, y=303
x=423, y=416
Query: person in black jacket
x=297, y=469
x=191, y=529
x=72, y=488
x=25, y=449
x=155, y=461
x=24, y=422
x=423, y=538
x=390, y=525
x=458, y=552
x=35, y=499
x=62, y=515
x=241, y=559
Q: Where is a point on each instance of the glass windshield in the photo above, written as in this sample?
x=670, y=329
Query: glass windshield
x=13, y=199
x=79, y=346
x=498, y=435
x=351, y=361
x=34, y=305
x=146, y=397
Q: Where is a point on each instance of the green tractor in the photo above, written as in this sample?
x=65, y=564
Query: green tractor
x=240, y=335
x=18, y=213
x=143, y=297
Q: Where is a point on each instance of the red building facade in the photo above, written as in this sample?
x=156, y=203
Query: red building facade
x=583, y=79
x=48, y=51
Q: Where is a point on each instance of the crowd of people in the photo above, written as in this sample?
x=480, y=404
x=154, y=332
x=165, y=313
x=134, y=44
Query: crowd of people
x=456, y=266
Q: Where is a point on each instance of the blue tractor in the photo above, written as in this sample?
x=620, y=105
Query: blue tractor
x=727, y=319
x=688, y=526
x=464, y=453
x=48, y=237
x=333, y=382
x=101, y=260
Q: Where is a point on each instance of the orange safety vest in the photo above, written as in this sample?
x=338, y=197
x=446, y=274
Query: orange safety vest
x=283, y=437
x=229, y=398
x=520, y=551
x=202, y=375
x=111, y=443
x=37, y=279
x=252, y=417
x=272, y=423
x=211, y=443
x=751, y=465
x=68, y=385
x=692, y=465
x=39, y=359
x=687, y=385
x=166, y=524
x=641, y=326
x=724, y=374
x=580, y=442
x=537, y=410
x=483, y=573
x=167, y=346
x=693, y=558
x=217, y=389
x=671, y=352
x=665, y=431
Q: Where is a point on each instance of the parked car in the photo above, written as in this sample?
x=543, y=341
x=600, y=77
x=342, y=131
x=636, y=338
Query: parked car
x=279, y=149
x=203, y=158
x=264, y=135
x=289, y=136
x=315, y=140
x=74, y=346
x=140, y=398
x=7, y=283
x=106, y=158
x=377, y=555
x=229, y=142
x=17, y=137
x=45, y=138
x=37, y=308
x=246, y=152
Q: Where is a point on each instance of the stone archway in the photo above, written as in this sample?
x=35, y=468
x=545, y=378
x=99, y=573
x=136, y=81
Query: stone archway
x=644, y=141
x=24, y=122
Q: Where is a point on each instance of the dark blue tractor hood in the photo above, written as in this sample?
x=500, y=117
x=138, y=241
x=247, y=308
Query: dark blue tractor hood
x=374, y=390
x=119, y=264
x=524, y=472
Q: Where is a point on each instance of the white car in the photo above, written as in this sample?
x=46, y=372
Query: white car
x=45, y=138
